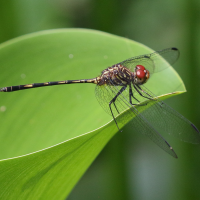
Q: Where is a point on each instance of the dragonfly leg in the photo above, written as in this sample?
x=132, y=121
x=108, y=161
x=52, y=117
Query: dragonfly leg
x=159, y=103
x=131, y=95
x=130, y=100
x=113, y=102
x=116, y=107
x=139, y=90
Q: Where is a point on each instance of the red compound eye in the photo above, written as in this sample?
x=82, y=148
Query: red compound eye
x=140, y=73
x=140, y=67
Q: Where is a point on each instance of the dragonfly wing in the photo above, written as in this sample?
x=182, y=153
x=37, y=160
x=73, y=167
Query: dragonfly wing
x=166, y=120
x=106, y=93
x=141, y=124
x=154, y=61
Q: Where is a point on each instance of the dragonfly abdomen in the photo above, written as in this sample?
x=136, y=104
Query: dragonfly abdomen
x=35, y=85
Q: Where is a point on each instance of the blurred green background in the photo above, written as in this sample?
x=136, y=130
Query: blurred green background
x=131, y=166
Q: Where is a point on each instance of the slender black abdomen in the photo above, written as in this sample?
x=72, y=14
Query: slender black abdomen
x=35, y=85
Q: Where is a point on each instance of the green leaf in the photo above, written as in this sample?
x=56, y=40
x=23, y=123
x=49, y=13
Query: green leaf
x=50, y=136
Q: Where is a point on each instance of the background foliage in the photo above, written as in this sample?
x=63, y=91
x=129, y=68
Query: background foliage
x=130, y=166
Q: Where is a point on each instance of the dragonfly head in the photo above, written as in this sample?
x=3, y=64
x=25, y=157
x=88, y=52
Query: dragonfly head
x=141, y=75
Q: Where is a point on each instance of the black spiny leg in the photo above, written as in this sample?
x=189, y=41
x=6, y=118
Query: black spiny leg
x=131, y=95
x=160, y=103
x=113, y=101
x=138, y=89
x=144, y=91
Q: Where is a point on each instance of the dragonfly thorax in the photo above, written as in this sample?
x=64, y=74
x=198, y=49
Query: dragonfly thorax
x=116, y=75
x=141, y=75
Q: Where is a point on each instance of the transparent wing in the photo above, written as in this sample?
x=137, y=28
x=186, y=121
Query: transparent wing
x=166, y=120
x=153, y=61
x=106, y=93
x=152, y=117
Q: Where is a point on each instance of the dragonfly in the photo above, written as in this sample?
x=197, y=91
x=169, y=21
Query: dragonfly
x=121, y=88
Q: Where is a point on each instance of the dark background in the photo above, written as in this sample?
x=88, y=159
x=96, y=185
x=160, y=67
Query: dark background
x=130, y=167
